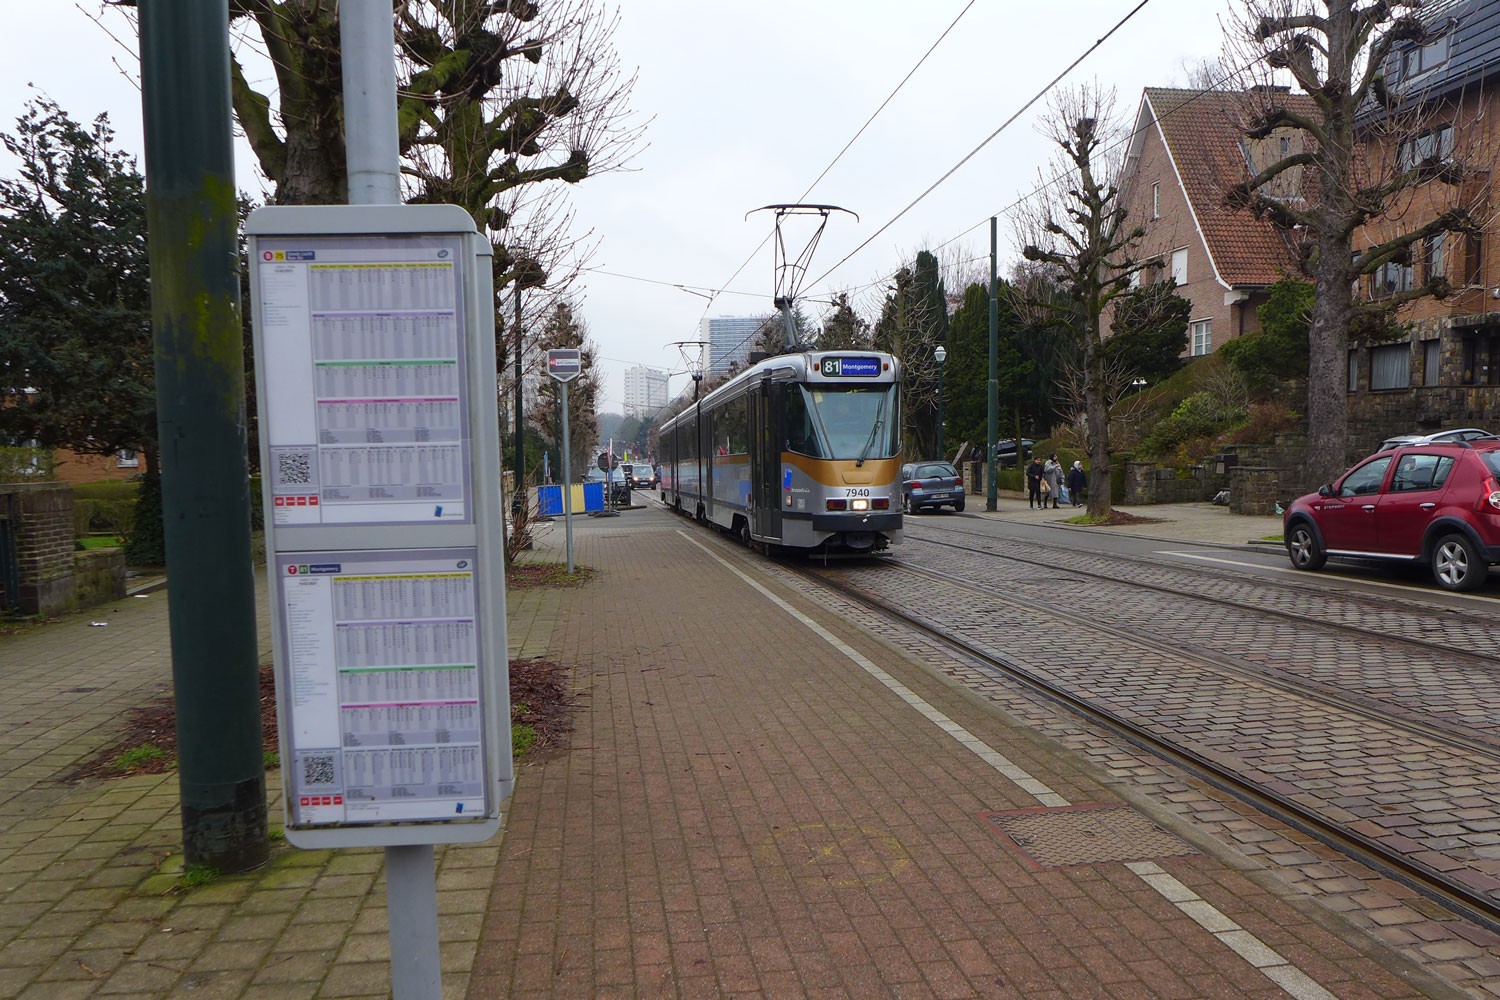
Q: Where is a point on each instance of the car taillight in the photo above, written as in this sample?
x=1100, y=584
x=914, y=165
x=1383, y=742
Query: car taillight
x=1490, y=495
x=916, y=484
x=881, y=503
x=838, y=504
x=959, y=482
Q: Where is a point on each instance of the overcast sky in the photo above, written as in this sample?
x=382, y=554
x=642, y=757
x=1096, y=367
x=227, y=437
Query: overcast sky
x=751, y=99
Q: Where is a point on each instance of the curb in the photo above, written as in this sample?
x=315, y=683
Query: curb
x=1249, y=545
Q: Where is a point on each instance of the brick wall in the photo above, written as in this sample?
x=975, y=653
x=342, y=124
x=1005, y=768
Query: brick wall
x=99, y=576
x=44, y=537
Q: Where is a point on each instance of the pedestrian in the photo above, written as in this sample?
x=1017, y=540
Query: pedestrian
x=1078, y=481
x=1034, y=485
x=1052, y=475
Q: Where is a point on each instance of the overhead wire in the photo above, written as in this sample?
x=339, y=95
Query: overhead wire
x=988, y=139
x=847, y=145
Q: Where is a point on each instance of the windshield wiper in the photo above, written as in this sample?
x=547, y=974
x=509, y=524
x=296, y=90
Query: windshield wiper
x=874, y=431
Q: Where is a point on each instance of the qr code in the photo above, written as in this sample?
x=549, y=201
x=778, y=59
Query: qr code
x=294, y=468
x=317, y=770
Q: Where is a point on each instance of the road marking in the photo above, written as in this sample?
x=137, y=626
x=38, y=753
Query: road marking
x=1046, y=796
x=1295, y=572
x=1252, y=949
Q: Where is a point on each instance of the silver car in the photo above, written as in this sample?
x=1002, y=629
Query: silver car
x=931, y=484
x=1441, y=437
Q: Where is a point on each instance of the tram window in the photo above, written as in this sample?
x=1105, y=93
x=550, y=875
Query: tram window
x=847, y=416
x=730, y=428
x=801, y=436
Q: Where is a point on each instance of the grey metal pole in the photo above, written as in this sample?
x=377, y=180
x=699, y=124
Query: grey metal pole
x=368, y=40
x=992, y=424
x=567, y=496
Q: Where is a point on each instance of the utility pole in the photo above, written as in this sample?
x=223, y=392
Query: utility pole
x=517, y=498
x=200, y=405
x=992, y=423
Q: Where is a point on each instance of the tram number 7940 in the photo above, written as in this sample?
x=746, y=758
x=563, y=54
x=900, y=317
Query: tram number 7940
x=856, y=491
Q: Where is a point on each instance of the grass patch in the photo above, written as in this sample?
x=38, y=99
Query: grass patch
x=522, y=576
x=101, y=542
x=139, y=757
x=271, y=759
x=196, y=875
x=522, y=737
x=275, y=834
x=1112, y=519
x=1273, y=538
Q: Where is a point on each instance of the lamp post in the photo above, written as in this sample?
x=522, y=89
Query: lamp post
x=940, y=355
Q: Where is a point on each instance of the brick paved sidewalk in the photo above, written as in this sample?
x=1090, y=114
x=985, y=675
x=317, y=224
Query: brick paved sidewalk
x=749, y=810
x=1201, y=523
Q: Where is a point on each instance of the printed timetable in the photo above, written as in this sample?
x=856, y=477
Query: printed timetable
x=366, y=417
x=385, y=686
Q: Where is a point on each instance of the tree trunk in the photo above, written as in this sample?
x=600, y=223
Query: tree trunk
x=1096, y=415
x=1328, y=366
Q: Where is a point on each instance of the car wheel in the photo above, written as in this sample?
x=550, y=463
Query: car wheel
x=1457, y=565
x=958, y=507
x=1302, y=548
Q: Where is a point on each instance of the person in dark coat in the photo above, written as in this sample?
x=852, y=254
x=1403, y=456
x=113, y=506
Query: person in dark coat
x=1078, y=481
x=1034, y=484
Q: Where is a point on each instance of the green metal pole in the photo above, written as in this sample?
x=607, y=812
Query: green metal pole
x=200, y=403
x=992, y=425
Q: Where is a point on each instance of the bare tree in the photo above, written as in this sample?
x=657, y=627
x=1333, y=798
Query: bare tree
x=1353, y=175
x=1080, y=233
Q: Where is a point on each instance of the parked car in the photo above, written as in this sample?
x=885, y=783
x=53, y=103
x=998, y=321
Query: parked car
x=931, y=484
x=1005, y=451
x=1410, y=440
x=1432, y=504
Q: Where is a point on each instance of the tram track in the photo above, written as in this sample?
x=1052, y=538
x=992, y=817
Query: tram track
x=1470, y=903
x=1383, y=605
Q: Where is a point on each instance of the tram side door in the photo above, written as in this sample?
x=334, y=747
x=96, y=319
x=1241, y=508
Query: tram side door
x=765, y=459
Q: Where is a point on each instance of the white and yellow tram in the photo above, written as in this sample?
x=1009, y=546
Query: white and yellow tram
x=801, y=451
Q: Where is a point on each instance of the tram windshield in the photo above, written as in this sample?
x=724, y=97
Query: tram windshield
x=843, y=422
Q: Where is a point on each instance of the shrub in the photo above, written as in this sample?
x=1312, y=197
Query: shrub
x=1265, y=421
x=1279, y=351
x=1203, y=414
x=21, y=465
x=145, y=544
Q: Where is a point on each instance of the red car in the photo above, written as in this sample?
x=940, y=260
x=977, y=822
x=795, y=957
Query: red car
x=1435, y=504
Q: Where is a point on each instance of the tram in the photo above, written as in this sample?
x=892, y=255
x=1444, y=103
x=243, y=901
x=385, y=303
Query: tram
x=800, y=451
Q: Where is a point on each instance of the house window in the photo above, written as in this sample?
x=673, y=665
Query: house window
x=1437, y=256
x=1432, y=361
x=1390, y=367
x=1179, y=266
x=128, y=459
x=1203, y=337
x=1481, y=359
x=1390, y=278
x=1353, y=383
x=1436, y=145
x=1156, y=200
x=1421, y=58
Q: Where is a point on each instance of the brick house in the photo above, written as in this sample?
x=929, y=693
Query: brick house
x=1186, y=149
x=1444, y=369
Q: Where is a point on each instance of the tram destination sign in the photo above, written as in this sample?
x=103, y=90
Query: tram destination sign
x=564, y=363
x=845, y=367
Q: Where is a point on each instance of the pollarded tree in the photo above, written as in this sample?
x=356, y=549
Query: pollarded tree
x=1082, y=235
x=843, y=328
x=1349, y=174
x=76, y=365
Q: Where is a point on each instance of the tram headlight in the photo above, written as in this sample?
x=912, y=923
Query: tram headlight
x=859, y=505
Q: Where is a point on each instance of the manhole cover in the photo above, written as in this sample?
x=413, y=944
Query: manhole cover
x=1084, y=835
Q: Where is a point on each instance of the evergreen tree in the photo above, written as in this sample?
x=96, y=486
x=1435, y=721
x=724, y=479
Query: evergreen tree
x=1149, y=331
x=843, y=328
x=967, y=374
x=913, y=322
x=76, y=364
x=564, y=328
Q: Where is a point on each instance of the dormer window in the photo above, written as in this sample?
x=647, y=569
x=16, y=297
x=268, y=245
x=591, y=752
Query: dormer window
x=1419, y=59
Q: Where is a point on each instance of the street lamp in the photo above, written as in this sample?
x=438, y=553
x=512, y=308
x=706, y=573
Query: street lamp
x=940, y=355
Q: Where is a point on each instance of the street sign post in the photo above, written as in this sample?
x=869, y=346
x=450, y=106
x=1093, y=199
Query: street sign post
x=566, y=364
